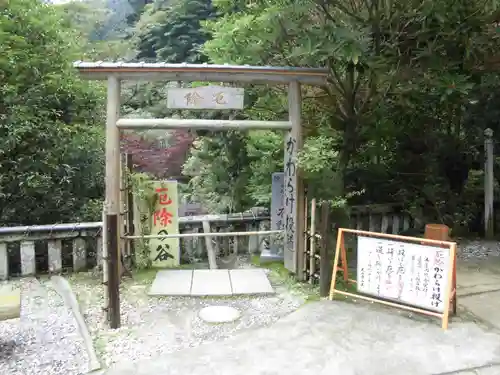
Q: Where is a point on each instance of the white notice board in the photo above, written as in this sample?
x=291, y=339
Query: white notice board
x=409, y=273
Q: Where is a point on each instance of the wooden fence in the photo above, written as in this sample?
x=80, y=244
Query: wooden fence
x=30, y=250
x=54, y=248
x=383, y=218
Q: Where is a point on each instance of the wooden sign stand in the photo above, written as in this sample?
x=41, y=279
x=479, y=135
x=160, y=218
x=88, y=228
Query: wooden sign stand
x=340, y=264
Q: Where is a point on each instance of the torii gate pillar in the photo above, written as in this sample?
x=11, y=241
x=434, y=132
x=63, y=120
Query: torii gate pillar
x=294, y=211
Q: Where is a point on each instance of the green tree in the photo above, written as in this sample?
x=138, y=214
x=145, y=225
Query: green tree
x=396, y=69
x=51, y=152
x=172, y=32
x=88, y=18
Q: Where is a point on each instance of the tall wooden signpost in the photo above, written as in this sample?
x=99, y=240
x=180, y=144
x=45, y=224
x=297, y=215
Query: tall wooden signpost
x=216, y=97
x=165, y=252
x=294, y=188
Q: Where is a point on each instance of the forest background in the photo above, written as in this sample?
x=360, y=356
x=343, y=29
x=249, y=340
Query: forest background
x=413, y=86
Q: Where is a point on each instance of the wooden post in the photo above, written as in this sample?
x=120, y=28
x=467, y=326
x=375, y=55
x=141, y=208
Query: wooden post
x=324, y=265
x=105, y=265
x=294, y=189
x=79, y=254
x=4, y=261
x=122, y=250
x=130, y=208
x=54, y=250
x=113, y=199
x=212, y=258
x=488, y=183
x=312, y=246
x=28, y=261
x=305, y=270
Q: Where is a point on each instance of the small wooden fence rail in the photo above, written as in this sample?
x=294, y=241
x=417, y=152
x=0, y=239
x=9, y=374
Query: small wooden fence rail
x=30, y=250
x=383, y=218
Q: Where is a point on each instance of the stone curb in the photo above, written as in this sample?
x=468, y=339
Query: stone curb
x=63, y=288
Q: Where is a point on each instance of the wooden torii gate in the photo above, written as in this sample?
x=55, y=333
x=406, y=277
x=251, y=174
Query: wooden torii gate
x=114, y=73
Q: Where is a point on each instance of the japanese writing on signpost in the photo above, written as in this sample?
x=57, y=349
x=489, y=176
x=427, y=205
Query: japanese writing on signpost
x=389, y=268
x=194, y=98
x=206, y=97
x=405, y=272
x=437, y=289
x=277, y=211
x=378, y=266
x=290, y=193
x=163, y=217
x=400, y=271
x=165, y=251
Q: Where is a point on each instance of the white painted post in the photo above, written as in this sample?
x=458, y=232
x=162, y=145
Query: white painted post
x=253, y=240
x=385, y=224
x=262, y=238
x=359, y=221
x=198, y=243
x=4, y=261
x=212, y=260
x=79, y=254
x=98, y=250
x=28, y=262
x=188, y=244
x=488, y=183
x=294, y=188
x=371, y=223
x=395, y=224
x=406, y=222
x=55, y=255
x=236, y=245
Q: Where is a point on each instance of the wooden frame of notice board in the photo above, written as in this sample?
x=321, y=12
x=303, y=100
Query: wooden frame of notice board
x=410, y=290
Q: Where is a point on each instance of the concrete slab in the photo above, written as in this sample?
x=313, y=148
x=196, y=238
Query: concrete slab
x=250, y=281
x=172, y=283
x=327, y=338
x=482, y=370
x=485, y=306
x=476, y=278
x=211, y=283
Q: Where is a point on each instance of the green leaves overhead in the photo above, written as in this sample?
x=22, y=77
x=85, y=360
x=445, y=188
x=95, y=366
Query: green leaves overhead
x=51, y=156
x=396, y=120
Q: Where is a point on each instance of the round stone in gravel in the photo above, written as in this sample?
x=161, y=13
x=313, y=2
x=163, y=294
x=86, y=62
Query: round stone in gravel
x=219, y=314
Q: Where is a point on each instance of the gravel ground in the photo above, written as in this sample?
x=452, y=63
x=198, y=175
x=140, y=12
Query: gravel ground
x=154, y=326
x=478, y=249
x=45, y=340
